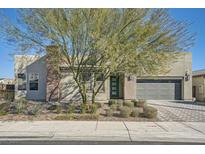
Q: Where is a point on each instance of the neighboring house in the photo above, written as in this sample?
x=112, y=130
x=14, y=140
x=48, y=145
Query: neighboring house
x=6, y=89
x=6, y=84
x=199, y=85
x=35, y=81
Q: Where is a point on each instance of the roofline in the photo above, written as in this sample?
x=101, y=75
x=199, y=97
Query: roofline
x=199, y=75
x=199, y=70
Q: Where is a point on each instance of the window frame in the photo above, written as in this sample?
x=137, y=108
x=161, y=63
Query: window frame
x=29, y=80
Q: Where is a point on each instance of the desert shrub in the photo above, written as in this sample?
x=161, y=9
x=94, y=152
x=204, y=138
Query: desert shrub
x=125, y=111
x=119, y=104
x=114, y=107
x=149, y=112
x=112, y=101
x=135, y=113
x=2, y=113
x=34, y=110
x=21, y=101
x=20, y=105
x=128, y=104
x=109, y=112
x=93, y=108
x=20, y=108
x=140, y=103
x=4, y=107
x=88, y=108
x=58, y=109
x=83, y=108
x=98, y=104
x=78, y=117
x=52, y=107
x=71, y=109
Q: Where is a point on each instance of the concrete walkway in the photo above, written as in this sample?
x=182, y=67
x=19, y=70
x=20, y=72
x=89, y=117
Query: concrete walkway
x=94, y=132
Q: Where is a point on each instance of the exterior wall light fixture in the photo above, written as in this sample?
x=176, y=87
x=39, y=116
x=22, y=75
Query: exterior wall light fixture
x=187, y=76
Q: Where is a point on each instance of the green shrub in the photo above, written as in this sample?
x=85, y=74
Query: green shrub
x=83, y=108
x=93, y=108
x=2, y=113
x=88, y=108
x=128, y=104
x=149, y=112
x=135, y=113
x=112, y=101
x=109, y=112
x=119, y=104
x=125, y=111
x=114, y=107
x=71, y=109
x=140, y=103
x=78, y=117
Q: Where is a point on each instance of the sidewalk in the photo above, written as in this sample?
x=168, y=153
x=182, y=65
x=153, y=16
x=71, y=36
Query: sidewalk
x=105, y=132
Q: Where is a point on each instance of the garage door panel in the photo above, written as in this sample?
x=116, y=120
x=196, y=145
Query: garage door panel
x=159, y=89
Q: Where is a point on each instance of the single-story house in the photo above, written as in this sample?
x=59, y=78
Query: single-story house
x=34, y=81
x=199, y=85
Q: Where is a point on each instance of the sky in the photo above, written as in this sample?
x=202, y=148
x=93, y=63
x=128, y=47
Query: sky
x=194, y=16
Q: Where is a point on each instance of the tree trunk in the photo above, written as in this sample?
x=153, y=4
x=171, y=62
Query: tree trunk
x=93, y=97
x=93, y=89
x=81, y=91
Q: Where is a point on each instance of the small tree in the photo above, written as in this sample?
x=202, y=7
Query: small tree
x=101, y=41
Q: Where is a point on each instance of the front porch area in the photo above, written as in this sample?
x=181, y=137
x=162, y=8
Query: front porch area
x=122, y=87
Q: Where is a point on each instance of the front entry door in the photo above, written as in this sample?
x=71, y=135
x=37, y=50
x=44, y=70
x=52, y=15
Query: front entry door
x=114, y=87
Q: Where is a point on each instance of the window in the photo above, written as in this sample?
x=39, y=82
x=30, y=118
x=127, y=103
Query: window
x=21, y=81
x=33, y=81
x=86, y=77
x=99, y=77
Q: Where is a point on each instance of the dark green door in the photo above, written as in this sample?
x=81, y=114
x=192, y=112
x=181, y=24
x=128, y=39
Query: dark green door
x=114, y=87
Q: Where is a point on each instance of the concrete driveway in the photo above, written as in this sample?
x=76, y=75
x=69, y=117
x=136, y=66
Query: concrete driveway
x=179, y=111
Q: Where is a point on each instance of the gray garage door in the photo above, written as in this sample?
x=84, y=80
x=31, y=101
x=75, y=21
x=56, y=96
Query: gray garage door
x=158, y=89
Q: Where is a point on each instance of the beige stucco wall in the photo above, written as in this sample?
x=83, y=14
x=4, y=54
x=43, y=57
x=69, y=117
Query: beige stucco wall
x=70, y=92
x=199, y=82
x=129, y=87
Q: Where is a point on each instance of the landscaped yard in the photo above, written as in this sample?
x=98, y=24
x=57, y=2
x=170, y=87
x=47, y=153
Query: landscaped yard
x=115, y=110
